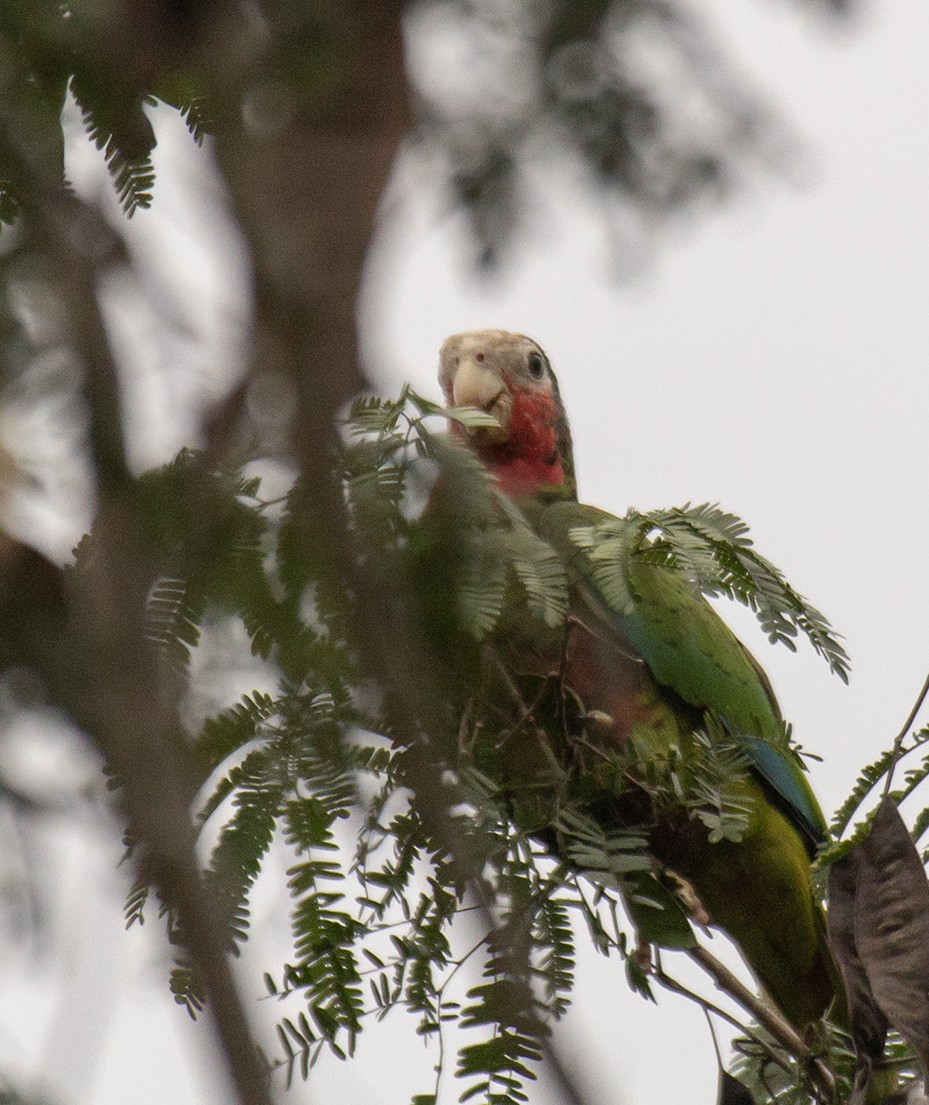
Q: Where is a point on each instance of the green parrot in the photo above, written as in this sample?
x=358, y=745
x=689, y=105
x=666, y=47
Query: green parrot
x=655, y=674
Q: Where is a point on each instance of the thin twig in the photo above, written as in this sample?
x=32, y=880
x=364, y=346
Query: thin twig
x=902, y=735
x=669, y=983
x=560, y=712
x=705, y=1007
x=526, y=710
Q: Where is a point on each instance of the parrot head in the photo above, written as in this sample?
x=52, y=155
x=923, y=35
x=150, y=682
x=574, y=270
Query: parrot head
x=509, y=376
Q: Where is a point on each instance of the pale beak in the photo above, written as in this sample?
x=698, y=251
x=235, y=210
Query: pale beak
x=476, y=386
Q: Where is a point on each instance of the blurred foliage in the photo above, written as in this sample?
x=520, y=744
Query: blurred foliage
x=632, y=100
x=49, y=49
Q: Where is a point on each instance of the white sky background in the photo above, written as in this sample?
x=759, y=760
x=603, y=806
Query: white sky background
x=773, y=358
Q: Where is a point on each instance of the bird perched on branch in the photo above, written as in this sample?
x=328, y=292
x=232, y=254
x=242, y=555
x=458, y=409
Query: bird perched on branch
x=667, y=682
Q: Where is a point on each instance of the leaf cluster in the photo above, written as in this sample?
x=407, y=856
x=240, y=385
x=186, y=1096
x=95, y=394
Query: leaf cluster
x=716, y=763
x=710, y=548
x=570, y=85
x=567, y=83
x=48, y=51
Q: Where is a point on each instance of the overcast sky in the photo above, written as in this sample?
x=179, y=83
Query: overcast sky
x=772, y=357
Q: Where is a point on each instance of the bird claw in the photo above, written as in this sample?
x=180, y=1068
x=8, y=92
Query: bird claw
x=687, y=893
x=597, y=723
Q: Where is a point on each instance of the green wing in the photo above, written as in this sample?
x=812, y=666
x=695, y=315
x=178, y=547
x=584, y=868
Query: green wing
x=691, y=650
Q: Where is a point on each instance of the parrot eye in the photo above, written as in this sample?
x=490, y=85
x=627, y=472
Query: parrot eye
x=536, y=366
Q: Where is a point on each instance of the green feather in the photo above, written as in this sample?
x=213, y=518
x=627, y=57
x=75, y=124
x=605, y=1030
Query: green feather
x=758, y=887
x=691, y=650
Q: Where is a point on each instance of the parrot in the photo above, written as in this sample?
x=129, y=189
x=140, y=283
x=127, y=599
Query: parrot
x=656, y=673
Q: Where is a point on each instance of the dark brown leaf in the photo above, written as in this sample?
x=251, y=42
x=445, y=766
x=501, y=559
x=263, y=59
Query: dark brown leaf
x=879, y=932
x=732, y=1091
x=892, y=926
x=868, y=1022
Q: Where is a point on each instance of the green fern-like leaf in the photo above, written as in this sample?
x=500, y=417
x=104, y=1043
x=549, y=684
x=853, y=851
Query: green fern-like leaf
x=539, y=570
x=230, y=730
x=711, y=789
x=743, y=574
x=873, y=773
x=374, y=415
x=188, y=990
x=864, y=784
x=244, y=840
x=709, y=548
x=326, y=968
x=505, y=1004
x=116, y=123
x=554, y=939
x=608, y=855
x=482, y=592
x=301, y=1046
x=388, y=883
x=170, y=624
x=423, y=953
x=198, y=117
x=136, y=900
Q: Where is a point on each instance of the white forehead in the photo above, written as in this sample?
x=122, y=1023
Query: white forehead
x=492, y=343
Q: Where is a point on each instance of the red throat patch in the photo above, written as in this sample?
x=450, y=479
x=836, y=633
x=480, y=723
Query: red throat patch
x=529, y=458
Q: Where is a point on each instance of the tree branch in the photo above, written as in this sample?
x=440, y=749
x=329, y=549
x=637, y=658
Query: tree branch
x=767, y=1017
x=98, y=662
